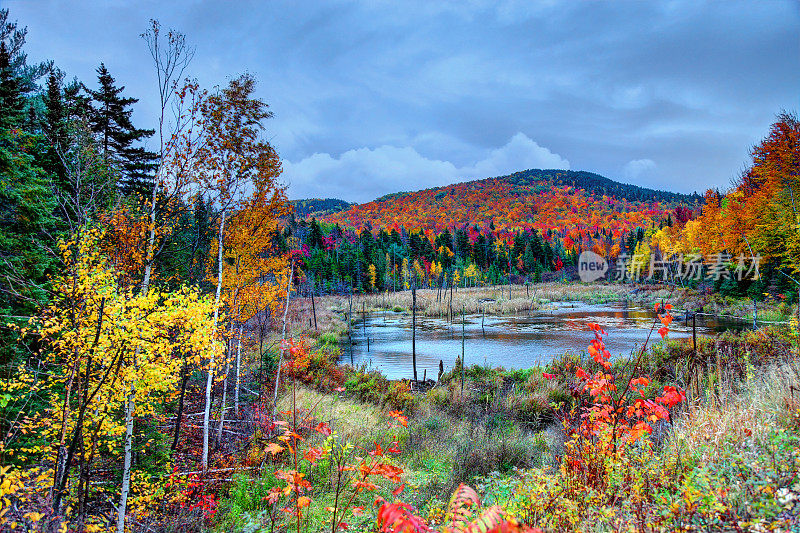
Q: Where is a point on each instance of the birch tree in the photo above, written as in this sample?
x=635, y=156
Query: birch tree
x=236, y=165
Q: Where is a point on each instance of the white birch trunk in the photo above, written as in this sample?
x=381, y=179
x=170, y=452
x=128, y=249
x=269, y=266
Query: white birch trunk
x=126, y=471
x=210, y=378
x=283, y=341
x=224, y=397
x=238, y=371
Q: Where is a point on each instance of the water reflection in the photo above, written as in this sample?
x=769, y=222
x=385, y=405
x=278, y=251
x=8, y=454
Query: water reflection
x=511, y=341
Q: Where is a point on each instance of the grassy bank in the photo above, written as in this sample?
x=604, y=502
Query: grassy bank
x=726, y=460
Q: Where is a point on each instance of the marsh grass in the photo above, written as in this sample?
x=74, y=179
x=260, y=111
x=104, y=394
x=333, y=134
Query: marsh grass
x=491, y=300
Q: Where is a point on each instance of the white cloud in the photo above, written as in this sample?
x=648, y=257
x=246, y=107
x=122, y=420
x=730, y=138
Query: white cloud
x=520, y=153
x=638, y=168
x=364, y=174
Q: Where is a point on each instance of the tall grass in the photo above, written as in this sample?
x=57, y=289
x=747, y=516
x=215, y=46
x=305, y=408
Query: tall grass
x=492, y=300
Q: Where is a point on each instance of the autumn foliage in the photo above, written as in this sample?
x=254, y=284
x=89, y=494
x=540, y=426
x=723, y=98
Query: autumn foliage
x=503, y=206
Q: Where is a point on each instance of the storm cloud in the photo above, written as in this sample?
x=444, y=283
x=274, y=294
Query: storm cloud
x=375, y=97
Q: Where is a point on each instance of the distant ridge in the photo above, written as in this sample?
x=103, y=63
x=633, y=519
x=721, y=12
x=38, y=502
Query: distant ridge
x=535, y=198
x=317, y=207
x=595, y=184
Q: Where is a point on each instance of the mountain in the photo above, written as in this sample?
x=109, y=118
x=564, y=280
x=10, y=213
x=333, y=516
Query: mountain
x=316, y=207
x=572, y=204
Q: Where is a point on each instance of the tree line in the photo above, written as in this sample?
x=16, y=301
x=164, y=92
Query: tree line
x=340, y=259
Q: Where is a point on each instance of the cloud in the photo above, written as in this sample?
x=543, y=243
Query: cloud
x=364, y=174
x=638, y=168
x=521, y=153
x=604, y=82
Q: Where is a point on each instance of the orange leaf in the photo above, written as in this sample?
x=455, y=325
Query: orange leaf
x=274, y=448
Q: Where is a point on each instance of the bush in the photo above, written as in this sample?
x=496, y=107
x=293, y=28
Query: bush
x=399, y=397
x=245, y=500
x=438, y=397
x=368, y=387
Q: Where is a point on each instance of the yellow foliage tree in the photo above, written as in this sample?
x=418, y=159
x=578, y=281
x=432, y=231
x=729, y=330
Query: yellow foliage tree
x=103, y=343
x=471, y=273
x=373, y=276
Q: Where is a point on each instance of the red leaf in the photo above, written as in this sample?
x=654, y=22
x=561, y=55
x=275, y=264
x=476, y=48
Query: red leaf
x=323, y=428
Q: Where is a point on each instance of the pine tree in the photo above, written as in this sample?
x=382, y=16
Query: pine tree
x=110, y=121
x=315, y=235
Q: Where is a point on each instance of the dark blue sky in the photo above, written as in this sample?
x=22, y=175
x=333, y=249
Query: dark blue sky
x=374, y=97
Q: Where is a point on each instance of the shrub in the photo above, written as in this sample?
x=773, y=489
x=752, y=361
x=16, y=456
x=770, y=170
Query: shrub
x=399, y=396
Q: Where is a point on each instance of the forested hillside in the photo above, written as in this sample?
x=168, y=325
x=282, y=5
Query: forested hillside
x=316, y=207
x=572, y=207
x=523, y=225
x=544, y=199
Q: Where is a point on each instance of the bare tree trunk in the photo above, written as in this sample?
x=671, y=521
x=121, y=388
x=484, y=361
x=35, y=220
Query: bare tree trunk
x=126, y=471
x=283, y=341
x=210, y=377
x=450, y=305
x=463, y=354
x=238, y=371
x=61, y=455
x=224, y=397
x=314, y=309
x=179, y=415
x=414, y=328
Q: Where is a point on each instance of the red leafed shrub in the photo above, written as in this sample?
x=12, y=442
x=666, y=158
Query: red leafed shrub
x=615, y=412
x=464, y=515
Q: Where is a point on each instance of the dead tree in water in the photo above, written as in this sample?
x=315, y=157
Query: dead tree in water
x=414, y=326
x=463, y=322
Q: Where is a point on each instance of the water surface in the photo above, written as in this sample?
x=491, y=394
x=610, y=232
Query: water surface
x=520, y=341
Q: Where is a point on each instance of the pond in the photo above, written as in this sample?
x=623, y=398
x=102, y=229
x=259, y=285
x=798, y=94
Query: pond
x=512, y=342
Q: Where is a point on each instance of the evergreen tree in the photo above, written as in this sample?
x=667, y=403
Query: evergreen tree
x=529, y=258
x=27, y=232
x=462, y=244
x=536, y=246
x=54, y=128
x=314, y=235
x=415, y=246
x=110, y=121
x=11, y=101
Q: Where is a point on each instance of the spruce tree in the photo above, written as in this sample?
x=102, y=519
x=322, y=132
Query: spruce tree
x=110, y=121
x=315, y=235
x=11, y=101
x=27, y=232
x=54, y=127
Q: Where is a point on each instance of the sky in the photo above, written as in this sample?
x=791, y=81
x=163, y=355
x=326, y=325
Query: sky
x=376, y=97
